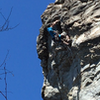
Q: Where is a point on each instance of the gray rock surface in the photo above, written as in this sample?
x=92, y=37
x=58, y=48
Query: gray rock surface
x=71, y=72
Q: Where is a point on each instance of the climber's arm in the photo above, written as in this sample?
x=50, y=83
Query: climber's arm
x=54, y=23
x=55, y=32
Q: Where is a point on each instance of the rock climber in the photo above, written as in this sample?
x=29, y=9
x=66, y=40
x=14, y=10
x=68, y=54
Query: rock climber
x=56, y=36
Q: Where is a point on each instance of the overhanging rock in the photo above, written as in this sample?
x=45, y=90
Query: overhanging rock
x=71, y=72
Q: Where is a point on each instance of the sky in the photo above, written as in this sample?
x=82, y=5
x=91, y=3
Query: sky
x=22, y=59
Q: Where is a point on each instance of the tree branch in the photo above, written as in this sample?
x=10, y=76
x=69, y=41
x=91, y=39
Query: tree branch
x=3, y=95
x=4, y=59
x=5, y=26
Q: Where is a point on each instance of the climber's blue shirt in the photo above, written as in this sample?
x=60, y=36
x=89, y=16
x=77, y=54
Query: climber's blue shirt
x=50, y=30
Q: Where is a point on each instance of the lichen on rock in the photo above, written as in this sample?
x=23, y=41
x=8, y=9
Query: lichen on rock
x=71, y=72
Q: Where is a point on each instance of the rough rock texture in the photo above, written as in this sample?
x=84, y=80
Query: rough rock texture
x=71, y=72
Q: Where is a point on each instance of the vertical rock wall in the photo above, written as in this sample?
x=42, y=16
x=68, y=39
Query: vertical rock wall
x=71, y=72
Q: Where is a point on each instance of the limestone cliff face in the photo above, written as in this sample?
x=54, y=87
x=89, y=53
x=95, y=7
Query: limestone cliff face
x=71, y=72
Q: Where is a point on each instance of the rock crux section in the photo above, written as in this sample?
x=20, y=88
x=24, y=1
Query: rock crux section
x=71, y=72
